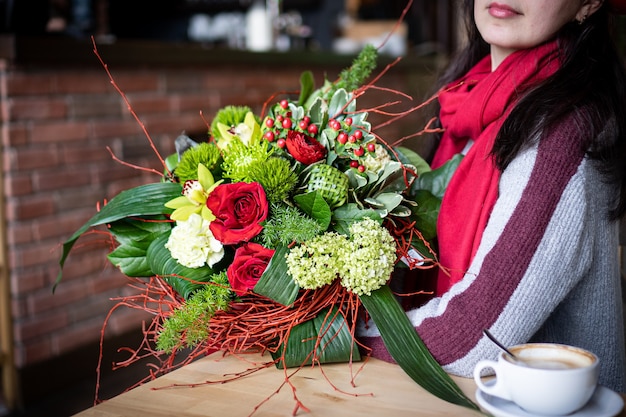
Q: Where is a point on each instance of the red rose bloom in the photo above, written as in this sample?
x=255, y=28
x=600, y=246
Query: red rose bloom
x=304, y=149
x=239, y=209
x=249, y=263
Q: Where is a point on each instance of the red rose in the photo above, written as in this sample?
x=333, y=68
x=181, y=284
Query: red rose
x=249, y=263
x=304, y=148
x=239, y=209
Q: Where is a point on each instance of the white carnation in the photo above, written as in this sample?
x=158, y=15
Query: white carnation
x=192, y=244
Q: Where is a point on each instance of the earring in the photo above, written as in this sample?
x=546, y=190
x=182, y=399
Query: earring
x=582, y=19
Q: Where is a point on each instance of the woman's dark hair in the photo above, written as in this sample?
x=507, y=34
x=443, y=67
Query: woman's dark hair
x=591, y=77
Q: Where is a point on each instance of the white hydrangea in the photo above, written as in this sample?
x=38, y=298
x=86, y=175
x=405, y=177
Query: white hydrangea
x=364, y=261
x=192, y=244
x=371, y=260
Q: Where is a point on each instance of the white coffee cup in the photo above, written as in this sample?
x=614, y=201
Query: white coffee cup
x=550, y=379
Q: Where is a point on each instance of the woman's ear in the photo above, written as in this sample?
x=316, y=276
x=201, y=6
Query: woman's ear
x=588, y=8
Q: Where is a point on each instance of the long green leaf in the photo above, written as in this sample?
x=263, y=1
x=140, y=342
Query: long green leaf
x=275, y=283
x=335, y=344
x=145, y=200
x=408, y=350
x=307, y=85
x=134, y=238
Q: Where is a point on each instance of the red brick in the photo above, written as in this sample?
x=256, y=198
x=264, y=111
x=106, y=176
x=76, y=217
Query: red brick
x=18, y=185
x=61, y=179
x=124, y=320
x=135, y=81
x=93, y=307
x=18, y=135
x=184, y=81
x=29, y=208
x=30, y=84
x=37, y=108
x=19, y=233
x=85, y=198
x=18, y=307
x=33, y=158
x=32, y=255
x=59, y=226
x=59, y=132
x=105, y=129
x=113, y=279
x=95, y=106
x=94, y=264
x=78, y=153
x=150, y=104
x=197, y=103
x=76, y=336
x=81, y=83
x=175, y=125
x=40, y=325
x=65, y=294
x=27, y=281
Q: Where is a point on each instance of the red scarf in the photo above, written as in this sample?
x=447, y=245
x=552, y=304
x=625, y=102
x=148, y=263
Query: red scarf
x=474, y=108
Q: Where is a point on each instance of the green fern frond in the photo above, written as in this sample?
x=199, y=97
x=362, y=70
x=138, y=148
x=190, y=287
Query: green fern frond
x=286, y=225
x=189, y=325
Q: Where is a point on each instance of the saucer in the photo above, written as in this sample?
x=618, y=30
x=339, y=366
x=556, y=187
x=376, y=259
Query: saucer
x=603, y=403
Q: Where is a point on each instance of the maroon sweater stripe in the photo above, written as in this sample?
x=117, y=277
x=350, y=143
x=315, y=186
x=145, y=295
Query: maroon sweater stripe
x=479, y=306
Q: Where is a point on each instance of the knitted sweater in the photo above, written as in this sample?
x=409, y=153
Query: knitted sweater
x=546, y=269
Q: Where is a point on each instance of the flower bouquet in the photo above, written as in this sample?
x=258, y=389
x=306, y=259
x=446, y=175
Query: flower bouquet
x=279, y=233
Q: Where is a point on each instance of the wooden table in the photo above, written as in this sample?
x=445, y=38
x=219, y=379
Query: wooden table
x=381, y=389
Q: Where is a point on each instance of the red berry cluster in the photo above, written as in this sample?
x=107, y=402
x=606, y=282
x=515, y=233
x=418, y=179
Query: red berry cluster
x=276, y=128
x=349, y=140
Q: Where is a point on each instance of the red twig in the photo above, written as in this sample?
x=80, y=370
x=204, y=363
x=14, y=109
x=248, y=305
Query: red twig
x=128, y=106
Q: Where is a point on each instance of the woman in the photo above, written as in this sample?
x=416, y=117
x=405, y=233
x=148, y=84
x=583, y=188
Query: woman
x=528, y=230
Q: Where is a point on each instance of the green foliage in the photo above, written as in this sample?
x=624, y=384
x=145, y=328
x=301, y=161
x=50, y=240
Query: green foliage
x=134, y=238
x=315, y=206
x=408, y=349
x=189, y=324
x=205, y=154
x=145, y=200
x=335, y=343
x=286, y=225
x=275, y=283
x=275, y=176
x=353, y=77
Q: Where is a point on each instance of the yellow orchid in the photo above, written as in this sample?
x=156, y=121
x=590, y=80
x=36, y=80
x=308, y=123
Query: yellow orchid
x=248, y=132
x=193, y=200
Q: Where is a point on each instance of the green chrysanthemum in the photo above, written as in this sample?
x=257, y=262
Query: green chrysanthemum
x=240, y=159
x=189, y=325
x=275, y=176
x=206, y=154
x=287, y=224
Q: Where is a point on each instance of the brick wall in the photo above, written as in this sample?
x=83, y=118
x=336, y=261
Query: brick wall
x=56, y=167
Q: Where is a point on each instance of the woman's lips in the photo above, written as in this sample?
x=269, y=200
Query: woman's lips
x=501, y=10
